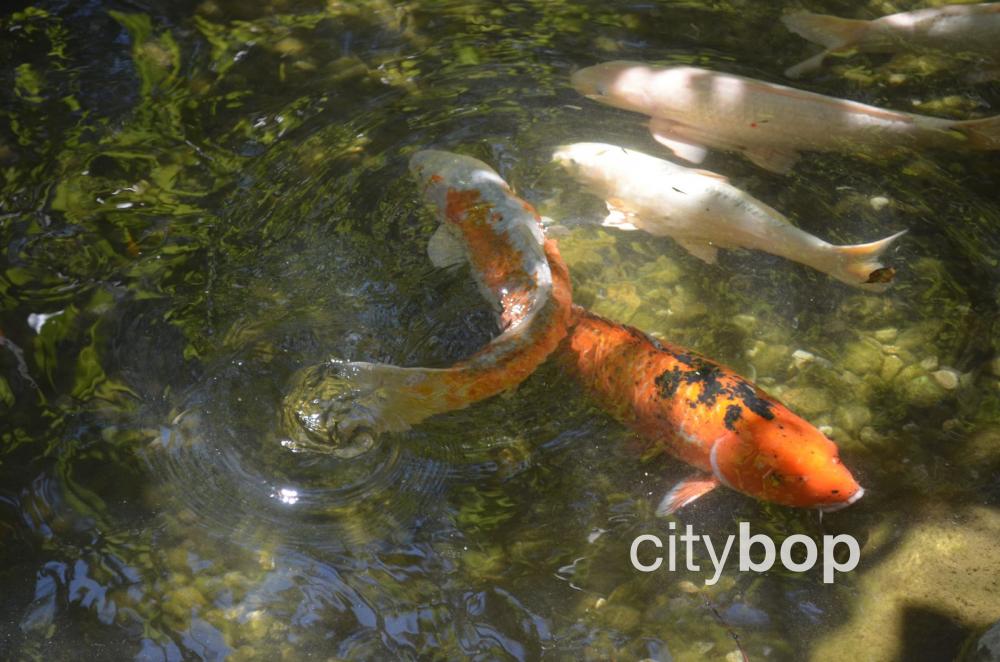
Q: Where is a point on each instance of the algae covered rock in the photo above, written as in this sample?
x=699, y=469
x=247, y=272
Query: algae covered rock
x=852, y=417
x=862, y=357
x=807, y=401
x=923, y=391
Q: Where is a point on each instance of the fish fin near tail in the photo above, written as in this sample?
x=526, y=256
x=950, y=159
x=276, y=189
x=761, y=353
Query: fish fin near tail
x=983, y=134
x=831, y=32
x=684, y=493
x=780, y=161
x=701, y=250
x=806, y=66
x=859, y=264
x=682, y=148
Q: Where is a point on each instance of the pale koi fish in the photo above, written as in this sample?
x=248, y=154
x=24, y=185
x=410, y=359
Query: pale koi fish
x=972, y=29
x=341, y=407
x=706, y=415
x=703, y=212
x=693, y=109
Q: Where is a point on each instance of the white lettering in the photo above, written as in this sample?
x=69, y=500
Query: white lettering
x=786, y=552
x=830, y=565
x=718, y=563
x=746, y=541
x=634, y=555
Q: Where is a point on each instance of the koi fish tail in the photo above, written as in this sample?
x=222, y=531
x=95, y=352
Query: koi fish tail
x=832, y=32
x=983, y=134
x=860, y=264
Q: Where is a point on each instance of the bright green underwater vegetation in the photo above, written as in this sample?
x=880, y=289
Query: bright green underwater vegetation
x=198, y=198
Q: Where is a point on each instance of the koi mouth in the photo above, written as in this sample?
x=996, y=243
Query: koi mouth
x=834, y=507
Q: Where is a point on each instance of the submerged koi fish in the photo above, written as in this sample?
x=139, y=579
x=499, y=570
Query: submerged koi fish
x=340, y=407
x=704, y=414
x=702, y=212
x=972, y=29
x=694, y=108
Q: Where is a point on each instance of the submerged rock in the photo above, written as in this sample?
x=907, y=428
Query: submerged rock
x=852, y=417
x=947, y=378
x=886, y=335
x=768, y=359
x=987, y=648
x=923, y=391
x=891, y=366
x=807, y=400
x=862, y=357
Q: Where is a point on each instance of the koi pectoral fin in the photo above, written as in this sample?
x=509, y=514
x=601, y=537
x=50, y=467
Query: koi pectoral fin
x=619, y=215
x=685, y=492
x=444, y=249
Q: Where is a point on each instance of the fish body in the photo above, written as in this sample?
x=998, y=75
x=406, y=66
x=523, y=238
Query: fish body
x=341, y=407
x=693, y=108
x=706, y=415
x=702, y=211
x=972, y=29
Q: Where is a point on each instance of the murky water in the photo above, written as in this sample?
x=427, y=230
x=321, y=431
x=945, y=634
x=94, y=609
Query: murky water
x=200, y=198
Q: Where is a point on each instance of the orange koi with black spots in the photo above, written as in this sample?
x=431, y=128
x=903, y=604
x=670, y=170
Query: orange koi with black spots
x=706, y=415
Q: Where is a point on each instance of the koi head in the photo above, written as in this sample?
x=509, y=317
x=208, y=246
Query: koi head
x=593, y=164
x=786, y=460
x=620, y=84
x=437, y=172
x=328, y=410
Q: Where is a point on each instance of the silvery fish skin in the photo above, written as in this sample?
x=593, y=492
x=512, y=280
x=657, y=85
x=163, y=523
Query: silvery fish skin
x=956, y=29
x=341, y=407
x=693, y=108
x=702, y=211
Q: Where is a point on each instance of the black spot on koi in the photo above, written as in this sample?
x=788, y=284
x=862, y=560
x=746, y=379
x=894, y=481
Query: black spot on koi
x=710, y=377
x=733, y=414
x=758, y=405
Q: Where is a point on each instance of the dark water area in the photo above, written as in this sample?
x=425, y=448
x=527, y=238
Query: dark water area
x=199, y=198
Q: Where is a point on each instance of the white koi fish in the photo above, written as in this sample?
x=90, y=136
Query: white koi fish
x=702, y=212
x=972, y=29
x=770, y=124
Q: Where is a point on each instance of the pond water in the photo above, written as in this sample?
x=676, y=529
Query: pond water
x=199, y=198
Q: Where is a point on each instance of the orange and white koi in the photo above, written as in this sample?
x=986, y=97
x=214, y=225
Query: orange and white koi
x=693, y=108
x=702, y=211
x=706, y=415
x=341, y=407
x=971, y=29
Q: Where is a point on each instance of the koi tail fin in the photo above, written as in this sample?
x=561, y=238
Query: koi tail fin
x=832, y=32
x=983, y=134
x=859, y=265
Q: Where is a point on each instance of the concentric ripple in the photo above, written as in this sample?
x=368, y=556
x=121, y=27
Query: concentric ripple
x=226, y=466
